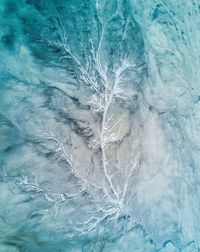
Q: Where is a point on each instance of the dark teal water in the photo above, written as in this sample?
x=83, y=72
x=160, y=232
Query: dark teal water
x=99, y=126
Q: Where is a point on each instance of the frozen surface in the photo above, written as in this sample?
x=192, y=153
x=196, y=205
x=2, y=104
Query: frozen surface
x=99, y=126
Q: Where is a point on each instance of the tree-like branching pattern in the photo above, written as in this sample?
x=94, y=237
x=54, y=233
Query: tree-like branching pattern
x=104, y=83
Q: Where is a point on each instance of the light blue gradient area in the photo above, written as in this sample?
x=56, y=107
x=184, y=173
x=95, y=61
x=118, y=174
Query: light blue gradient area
x=76, y=178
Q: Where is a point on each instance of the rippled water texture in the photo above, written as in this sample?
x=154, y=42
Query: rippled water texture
x=99, y=125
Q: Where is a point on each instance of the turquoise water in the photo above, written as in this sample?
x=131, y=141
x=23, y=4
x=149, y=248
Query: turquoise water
x=99, y=126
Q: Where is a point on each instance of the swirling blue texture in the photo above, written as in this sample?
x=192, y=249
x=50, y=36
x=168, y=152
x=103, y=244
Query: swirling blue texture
x=99, y=126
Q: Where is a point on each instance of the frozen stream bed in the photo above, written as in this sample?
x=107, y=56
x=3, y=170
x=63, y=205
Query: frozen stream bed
x=99, y=126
